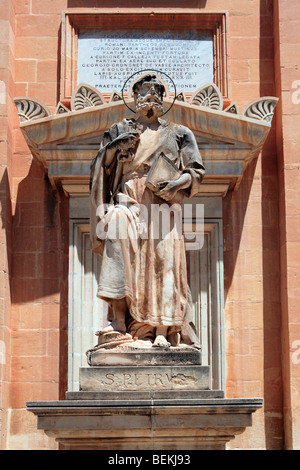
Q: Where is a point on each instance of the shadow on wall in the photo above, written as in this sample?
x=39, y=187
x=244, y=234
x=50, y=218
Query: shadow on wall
x=235, y=206
x=234, y=211
x=38, y=240
x=273, y=385
x=6, y=223
x=40, y=243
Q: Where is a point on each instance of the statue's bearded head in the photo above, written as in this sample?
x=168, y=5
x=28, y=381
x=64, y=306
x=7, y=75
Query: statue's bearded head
x=148, y=95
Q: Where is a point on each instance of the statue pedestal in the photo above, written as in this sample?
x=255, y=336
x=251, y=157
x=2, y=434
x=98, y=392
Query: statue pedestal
x=184, y=420
x=158, y=405
x=145, y=369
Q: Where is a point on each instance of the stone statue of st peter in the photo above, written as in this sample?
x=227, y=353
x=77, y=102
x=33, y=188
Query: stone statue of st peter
x=144, y=278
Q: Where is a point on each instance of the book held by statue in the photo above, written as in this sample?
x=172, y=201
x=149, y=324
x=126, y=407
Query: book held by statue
x=162, y=170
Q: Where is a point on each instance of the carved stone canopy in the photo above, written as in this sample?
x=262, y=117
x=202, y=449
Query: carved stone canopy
x=67, y=141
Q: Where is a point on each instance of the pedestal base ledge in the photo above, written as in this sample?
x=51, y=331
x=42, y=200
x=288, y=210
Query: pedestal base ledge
x=145, y=424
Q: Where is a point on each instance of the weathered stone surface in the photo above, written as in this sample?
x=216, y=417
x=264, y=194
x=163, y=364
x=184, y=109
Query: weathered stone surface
x=150, y=303
x=203, y=423
x=176, y=397
x=174, y=49
x=144, y=378
x=145, y=357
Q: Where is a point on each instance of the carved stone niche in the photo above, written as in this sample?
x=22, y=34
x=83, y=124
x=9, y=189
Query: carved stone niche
x=66, y=143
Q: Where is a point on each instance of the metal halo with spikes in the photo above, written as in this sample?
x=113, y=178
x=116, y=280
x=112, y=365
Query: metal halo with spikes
x=153, y=71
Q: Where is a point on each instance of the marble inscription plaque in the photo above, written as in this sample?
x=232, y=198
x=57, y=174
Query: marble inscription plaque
x=106, y=59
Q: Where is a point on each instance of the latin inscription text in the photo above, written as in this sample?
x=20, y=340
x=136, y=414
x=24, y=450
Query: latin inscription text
x=106, y=59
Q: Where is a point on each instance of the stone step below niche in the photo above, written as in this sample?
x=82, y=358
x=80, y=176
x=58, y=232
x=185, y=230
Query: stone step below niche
x=175, y=397
x=149, y=377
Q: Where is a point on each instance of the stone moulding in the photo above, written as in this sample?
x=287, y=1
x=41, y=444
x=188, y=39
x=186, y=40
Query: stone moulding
x=227, y=140
x=145, y=422
x=178, y=19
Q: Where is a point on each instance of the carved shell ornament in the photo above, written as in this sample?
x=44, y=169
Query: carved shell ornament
x=29, y=108
x=262, y=108
x=86, y=96
x=208, y=96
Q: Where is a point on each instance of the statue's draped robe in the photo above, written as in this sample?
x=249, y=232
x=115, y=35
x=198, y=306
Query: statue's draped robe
x=149, y=272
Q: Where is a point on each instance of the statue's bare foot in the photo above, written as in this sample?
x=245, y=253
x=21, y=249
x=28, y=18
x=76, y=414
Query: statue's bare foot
x=161, y=342
x=116, y=326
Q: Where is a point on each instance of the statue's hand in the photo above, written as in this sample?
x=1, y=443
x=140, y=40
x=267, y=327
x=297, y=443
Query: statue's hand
x=170, y=188
x=125, y=141
x=121, y=147
x=168, y=191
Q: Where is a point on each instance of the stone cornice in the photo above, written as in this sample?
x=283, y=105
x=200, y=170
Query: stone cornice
x=145, y=422
x=67, y=141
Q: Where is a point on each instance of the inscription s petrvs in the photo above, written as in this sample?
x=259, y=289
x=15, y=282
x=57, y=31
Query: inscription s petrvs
x=146, y=379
